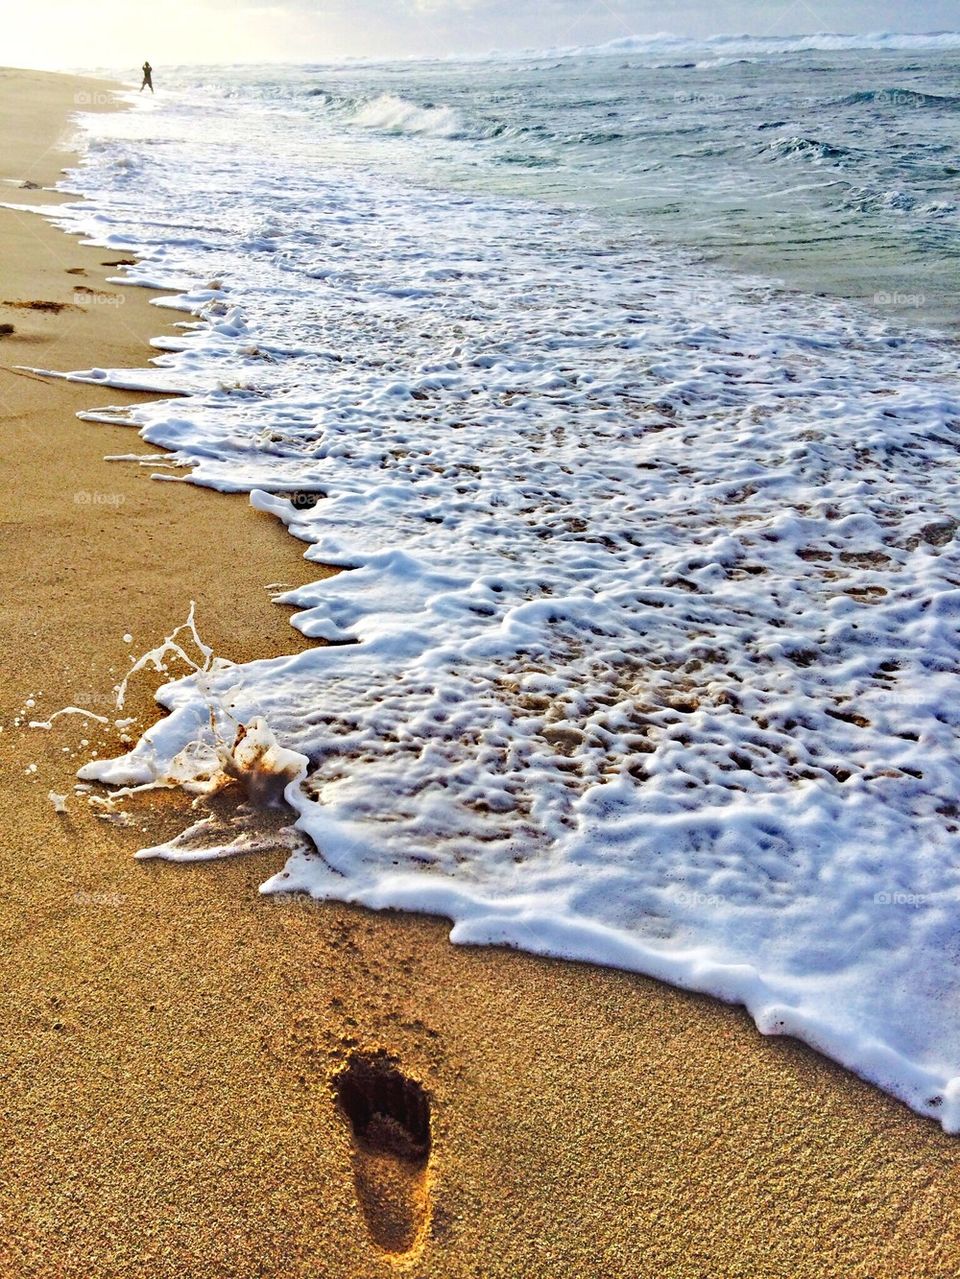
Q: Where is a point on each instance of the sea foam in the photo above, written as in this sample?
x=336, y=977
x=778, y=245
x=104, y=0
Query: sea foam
x=397, y=115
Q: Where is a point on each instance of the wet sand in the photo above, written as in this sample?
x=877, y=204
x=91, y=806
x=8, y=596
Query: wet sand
x=170, y=1039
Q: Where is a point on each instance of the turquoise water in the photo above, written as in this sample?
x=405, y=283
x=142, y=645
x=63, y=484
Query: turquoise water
x=835, y=170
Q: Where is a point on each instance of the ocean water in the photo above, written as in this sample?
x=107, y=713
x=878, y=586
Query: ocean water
x=833, y=167
x=622, y=384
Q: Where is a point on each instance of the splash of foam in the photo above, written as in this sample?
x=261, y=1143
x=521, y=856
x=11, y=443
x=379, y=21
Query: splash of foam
x=393, y=114
x=225, y=750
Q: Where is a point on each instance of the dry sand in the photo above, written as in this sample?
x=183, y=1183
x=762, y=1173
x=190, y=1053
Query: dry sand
x=170, y=1038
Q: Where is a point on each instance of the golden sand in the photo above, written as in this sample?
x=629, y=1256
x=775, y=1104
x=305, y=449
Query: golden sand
x=170, y=1038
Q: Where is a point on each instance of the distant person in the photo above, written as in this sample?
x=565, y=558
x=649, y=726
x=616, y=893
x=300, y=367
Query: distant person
x=147, y=77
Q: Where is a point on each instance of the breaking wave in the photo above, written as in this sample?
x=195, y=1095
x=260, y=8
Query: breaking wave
x=393, y=114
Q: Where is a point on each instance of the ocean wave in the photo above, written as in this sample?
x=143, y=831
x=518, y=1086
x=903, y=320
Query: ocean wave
x=809, y=148
x=865, y=201
x=324, y=97
x=740, y=45
x=392, y=114
x=898, y=202
x=715, y=64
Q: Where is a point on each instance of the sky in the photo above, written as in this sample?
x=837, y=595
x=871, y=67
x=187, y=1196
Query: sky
x=72, y=34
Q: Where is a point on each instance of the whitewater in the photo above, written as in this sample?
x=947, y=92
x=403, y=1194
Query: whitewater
x=644, y=650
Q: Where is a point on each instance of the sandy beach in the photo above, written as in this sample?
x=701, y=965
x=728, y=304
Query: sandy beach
x=172, y=1040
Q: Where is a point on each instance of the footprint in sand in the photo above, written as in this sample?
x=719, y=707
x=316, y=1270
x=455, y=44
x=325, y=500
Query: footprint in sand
x=389, y=1117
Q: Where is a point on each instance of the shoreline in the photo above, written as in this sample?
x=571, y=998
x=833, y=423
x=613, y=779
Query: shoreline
x=173, y=1036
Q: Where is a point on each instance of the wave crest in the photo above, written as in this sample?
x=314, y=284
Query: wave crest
x=740, y=45
x=393, y=114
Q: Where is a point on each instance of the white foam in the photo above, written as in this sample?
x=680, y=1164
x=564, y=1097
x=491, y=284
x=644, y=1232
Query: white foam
x=393, y=114
x=647, y=652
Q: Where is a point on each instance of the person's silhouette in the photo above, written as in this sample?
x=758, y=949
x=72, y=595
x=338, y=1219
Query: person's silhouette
x=147, y=77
